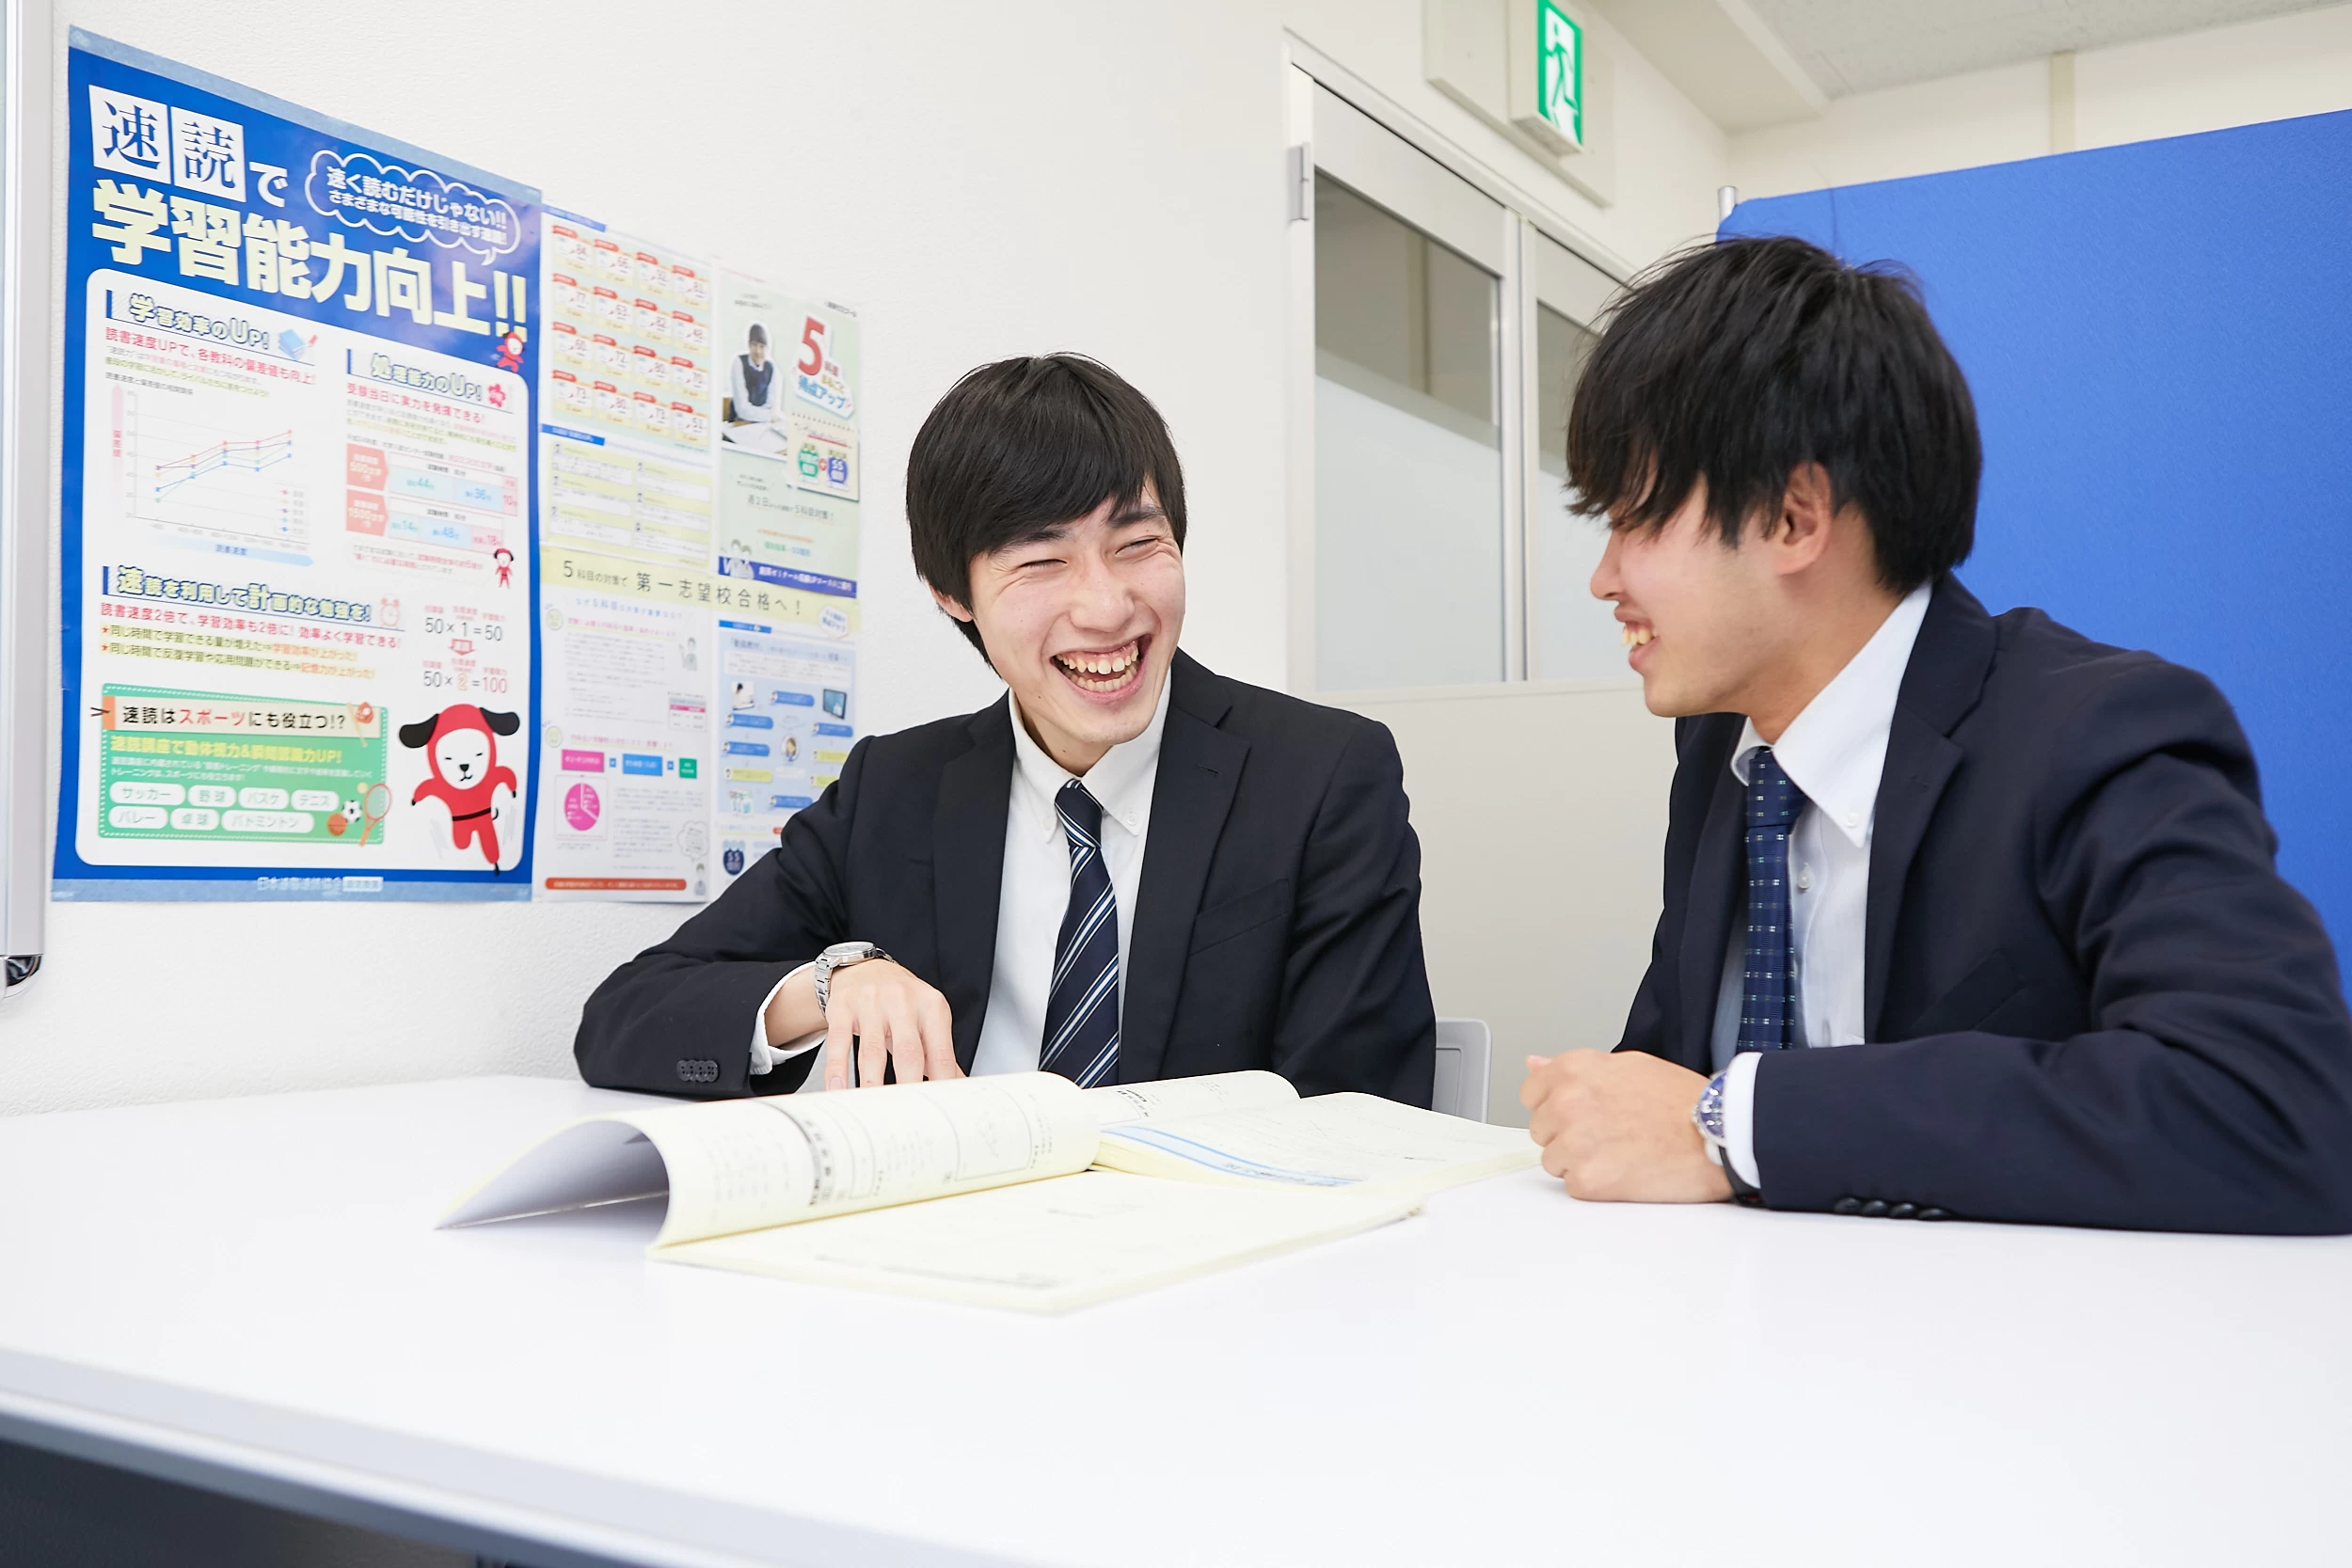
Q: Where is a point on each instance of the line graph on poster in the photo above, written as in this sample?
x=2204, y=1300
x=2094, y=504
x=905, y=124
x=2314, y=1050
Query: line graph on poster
x=206, y=471
x=245, y=456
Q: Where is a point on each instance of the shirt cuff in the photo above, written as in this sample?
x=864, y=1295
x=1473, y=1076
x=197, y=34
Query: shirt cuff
x=766, y=1057
x=1740, y=1116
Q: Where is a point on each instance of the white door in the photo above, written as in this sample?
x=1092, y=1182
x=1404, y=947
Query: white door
x=1570, y=634
x=1413, y=450
x=1436, y=337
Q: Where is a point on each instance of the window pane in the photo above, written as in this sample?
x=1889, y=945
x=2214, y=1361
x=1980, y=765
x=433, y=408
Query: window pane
x=1561, y=348
x=1408, y=457
x=1576, y=635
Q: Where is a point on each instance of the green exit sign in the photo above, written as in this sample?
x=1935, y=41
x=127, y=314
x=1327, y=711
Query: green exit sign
x=1548, y=75
x=1560, y=72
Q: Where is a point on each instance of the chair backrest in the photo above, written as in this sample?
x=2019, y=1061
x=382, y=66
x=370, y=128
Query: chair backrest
x=1465, y=1049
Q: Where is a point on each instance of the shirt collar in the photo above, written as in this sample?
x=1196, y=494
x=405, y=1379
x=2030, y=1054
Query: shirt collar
x=1121, y=783
x=1835, y=750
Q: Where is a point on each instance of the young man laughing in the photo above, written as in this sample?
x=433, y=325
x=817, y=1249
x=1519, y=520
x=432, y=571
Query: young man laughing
x=2019, y=881
x=1127, y=868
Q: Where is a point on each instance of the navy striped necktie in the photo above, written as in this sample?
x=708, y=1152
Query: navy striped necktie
x=1767, y=999
x=1082, y=1007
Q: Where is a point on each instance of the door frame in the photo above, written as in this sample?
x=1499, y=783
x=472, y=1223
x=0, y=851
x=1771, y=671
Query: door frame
x=1337, y=123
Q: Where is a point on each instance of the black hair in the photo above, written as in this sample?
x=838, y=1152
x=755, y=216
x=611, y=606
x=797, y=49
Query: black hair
x=1734, y=363
x=1022, y=447
x=758, y=334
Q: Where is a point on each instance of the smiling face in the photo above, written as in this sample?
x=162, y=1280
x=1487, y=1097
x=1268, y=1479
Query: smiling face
x=461, y=756
x=1701, y=620
x=1082, y=622
x=1758, y=627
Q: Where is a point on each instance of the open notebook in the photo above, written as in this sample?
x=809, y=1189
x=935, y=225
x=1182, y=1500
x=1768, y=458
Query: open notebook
x=1021, y=1191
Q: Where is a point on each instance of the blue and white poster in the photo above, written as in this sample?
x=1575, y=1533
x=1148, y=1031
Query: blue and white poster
x=298, y=548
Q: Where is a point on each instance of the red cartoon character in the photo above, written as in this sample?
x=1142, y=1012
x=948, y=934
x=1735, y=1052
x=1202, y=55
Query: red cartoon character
x=506, y=558
x=462, y=749
x=509, y=351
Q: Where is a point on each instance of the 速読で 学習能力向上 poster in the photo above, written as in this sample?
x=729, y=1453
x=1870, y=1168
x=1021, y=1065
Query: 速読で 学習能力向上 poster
x=299, y=554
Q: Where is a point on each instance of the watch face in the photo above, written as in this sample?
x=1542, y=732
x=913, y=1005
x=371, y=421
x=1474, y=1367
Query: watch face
x=1708, y=1113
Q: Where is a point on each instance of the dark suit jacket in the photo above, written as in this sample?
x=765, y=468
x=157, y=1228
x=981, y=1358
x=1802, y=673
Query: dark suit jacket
x=2091, y=998
x=1277, y=924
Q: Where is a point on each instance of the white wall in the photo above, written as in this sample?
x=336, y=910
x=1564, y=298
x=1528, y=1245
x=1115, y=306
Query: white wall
x=2170, y=87
x=1541, y=808
x=988, y=179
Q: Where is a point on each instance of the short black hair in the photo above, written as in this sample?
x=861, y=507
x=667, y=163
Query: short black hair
x=1733, y=363
x=758, y=334
x=1022, y=447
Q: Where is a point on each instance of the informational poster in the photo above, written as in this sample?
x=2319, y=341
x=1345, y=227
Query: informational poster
x=784, y=732
x=628, y=759
x=298, y=563
x=788, y=441
x=628, y=404
x=687, y=714
x=698, y=521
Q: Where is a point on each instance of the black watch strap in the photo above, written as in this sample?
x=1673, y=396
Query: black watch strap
x=1744, y=1192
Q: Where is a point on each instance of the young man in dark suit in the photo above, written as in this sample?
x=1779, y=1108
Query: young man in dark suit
x=1128, y=869
x=2021, y=882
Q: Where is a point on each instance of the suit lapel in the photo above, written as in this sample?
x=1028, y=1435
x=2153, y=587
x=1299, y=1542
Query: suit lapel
x=968, y=870
x=1945, y=676
x=1193, y=790
x=1717, y=898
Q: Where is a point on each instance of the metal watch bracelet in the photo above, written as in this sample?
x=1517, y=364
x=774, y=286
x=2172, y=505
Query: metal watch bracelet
x=841, y=955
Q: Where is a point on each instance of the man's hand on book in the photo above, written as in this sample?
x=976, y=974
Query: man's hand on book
x=882, y=1011
x=1615, y=1126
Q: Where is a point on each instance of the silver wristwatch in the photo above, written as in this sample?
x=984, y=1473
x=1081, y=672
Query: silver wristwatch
x=841, y=955
x=1708, y=1115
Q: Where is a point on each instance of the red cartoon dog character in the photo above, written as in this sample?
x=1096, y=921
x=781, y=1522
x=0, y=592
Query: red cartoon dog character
x=462, y=750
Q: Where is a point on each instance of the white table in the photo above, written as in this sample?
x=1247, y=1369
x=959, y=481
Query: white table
x=249, y=1294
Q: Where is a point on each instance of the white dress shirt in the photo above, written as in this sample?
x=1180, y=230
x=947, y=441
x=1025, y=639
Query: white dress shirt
x=1833, y=753
x=1035, y=893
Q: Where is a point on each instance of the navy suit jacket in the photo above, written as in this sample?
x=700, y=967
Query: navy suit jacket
x=2090, y=997
x=1277, y=922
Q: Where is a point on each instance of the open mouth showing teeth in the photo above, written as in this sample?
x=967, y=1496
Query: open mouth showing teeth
x=1106, y=670
x=1635, y=636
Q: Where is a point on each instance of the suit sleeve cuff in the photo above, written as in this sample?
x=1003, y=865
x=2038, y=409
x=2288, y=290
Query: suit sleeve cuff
x=1740, y=1116
x=765, y=1058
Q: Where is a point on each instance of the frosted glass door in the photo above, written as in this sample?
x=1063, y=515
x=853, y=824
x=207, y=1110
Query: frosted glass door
x=1408, y=454
x=1571, y=635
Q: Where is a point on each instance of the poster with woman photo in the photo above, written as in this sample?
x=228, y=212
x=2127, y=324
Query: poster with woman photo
x=788, y=439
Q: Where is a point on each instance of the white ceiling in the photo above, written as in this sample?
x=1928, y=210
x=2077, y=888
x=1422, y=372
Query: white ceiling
x=1851, y=46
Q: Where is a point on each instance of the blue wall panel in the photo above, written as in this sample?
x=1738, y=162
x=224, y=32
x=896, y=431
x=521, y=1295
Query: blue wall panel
x=2159, y=338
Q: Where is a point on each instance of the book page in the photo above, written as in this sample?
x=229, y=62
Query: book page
x=1047, y=1246
x=1333, y=1141
x=896, y=1143
x=718, y=1163
x=1170, y=1098
x=745, y=1164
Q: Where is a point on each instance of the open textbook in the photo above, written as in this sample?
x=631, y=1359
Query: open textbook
x=1020, y=1191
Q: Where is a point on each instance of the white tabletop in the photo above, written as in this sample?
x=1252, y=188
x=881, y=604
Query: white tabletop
x=1510, y=1377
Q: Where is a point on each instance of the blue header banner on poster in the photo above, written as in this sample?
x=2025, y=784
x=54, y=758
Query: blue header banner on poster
x=299, y=552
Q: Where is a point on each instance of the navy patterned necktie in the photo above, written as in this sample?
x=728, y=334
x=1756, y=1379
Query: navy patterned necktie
x=1767, y=999
x=1082, y=1007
